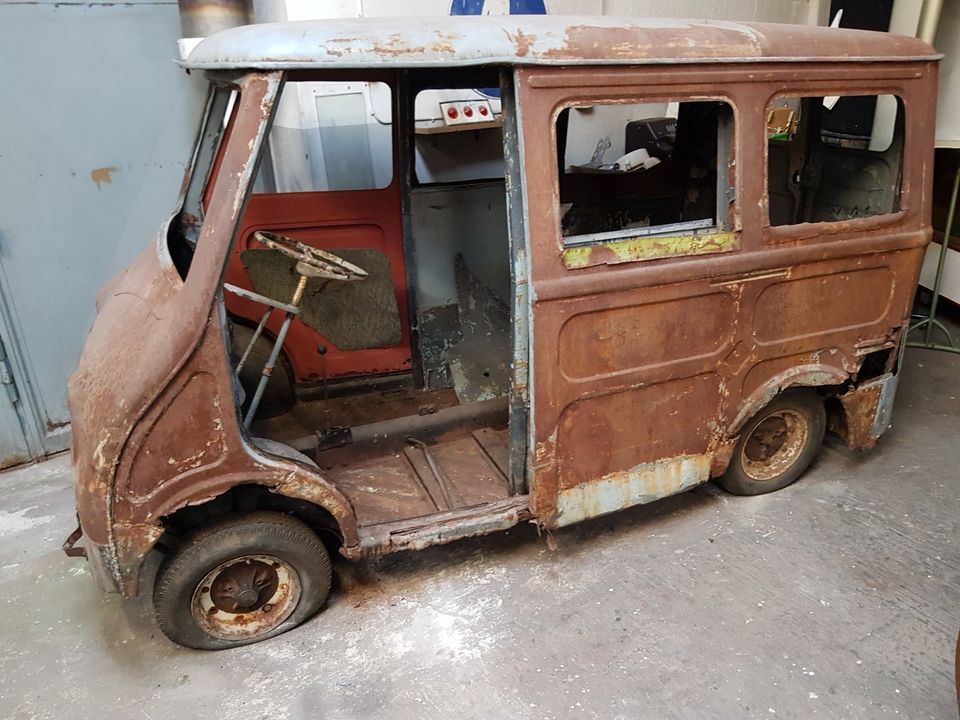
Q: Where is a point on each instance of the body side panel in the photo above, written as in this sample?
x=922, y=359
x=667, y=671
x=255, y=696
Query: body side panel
x=645, y=370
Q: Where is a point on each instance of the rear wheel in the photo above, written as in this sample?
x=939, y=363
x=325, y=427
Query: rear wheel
x=242, y=580
x=777, y=444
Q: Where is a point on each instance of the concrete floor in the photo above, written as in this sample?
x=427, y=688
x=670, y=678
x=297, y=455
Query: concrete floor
x=835, y=598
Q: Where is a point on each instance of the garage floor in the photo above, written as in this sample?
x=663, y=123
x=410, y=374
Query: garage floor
x=835, y=598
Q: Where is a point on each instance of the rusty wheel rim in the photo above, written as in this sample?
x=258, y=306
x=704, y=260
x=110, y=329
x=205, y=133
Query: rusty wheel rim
x=774, y=444
x=246, y=597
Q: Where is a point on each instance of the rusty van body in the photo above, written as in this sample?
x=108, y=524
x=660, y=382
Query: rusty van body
x=562, y=336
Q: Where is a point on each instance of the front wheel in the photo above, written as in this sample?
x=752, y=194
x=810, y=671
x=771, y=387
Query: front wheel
x=777, y=444
x=242, y=580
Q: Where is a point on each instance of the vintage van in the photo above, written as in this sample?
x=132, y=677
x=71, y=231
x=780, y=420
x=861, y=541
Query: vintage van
x=429, y=279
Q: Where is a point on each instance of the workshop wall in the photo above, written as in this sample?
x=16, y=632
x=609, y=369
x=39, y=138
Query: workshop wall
x=97, y=125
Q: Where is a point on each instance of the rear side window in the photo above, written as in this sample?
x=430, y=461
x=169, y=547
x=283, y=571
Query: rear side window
x=639, y=171
x=833, y=158
x=329, y=136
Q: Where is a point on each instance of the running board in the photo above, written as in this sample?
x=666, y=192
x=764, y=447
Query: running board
x=440, y=528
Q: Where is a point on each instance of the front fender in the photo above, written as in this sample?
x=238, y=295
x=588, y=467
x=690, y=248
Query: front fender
x=136, y=537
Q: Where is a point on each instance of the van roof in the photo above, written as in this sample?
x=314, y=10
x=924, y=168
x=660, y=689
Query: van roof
x=538, y=40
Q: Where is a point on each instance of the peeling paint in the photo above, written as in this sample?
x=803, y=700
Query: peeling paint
x=102, y=175
x=638, y=485
x=649, y=248
x=536, y=40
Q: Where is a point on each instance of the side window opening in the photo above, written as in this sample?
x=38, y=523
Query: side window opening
x=833, y=158
x=644, y=170
x=329, y=136
x=184, y=229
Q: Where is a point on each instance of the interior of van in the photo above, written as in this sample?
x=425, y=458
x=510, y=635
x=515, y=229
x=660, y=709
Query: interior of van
x=396, y=386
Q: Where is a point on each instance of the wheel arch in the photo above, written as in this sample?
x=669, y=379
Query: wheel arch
x=251, y=497
x=812, y=376
x=318, y=505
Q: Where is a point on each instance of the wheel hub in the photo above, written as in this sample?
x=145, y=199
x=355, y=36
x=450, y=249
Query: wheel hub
x=774, y=444
x=244, y=587
x=767, y=439
x=246, y=597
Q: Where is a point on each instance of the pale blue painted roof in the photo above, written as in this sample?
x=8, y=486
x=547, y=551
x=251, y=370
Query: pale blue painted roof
x=538, y=40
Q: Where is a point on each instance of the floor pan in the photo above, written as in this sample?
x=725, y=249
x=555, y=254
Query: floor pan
x=421, y=479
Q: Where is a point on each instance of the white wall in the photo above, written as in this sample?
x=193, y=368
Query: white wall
x=948, y=42
x=788, y=11
x=785, y=11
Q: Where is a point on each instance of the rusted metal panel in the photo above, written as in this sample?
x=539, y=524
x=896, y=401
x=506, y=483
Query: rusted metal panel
x=160, y=334
x=631, y=374
x=638, y=485
x=442, y=528
x=867, y=411
x=860, y=409
x=604, y=339
x=538, y=40
x=653, y=248
x=807, y=300
x=384, y=482
x=636, y=426
x=821, y=304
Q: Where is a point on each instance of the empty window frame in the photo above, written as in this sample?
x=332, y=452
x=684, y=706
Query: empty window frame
x=329, y=136
x=652, y=169
x=833, y=158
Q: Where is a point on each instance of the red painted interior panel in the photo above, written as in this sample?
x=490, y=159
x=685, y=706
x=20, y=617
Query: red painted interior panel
x=368, y=219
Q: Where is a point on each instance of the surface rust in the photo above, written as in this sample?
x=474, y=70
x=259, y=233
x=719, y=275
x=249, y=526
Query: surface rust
x=537, y=40
x=649, y=248
x=860, y=409
x=154, y=420
x=638, y=360
x=643, y=368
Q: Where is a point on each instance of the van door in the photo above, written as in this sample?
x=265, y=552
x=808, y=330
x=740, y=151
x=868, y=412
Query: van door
x=627, y=189
x=329, y=179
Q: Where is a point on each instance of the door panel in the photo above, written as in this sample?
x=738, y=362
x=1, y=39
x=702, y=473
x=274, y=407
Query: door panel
x=608, y=434
x=629, y=379
x=354, y=221
x=330, y=180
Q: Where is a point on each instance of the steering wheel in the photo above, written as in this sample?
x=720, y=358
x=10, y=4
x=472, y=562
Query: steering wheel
x=311, y=261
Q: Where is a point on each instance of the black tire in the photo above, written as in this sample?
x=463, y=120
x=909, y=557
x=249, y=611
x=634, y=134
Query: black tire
x=797, y=420
x=250, y=547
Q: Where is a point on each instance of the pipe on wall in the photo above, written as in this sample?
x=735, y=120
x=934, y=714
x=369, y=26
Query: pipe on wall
x=200, y=18
x=929, y=20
